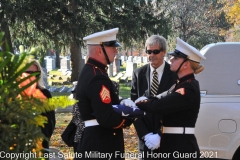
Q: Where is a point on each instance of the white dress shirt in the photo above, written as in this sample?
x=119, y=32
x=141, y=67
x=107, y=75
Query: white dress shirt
x=159, y=71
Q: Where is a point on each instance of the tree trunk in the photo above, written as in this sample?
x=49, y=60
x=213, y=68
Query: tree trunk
x=57, y=58
x=76, y=58
x=7, y=37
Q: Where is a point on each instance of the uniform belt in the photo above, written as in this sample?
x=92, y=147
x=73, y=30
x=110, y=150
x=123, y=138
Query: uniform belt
x=92, y=122
x=178, y=130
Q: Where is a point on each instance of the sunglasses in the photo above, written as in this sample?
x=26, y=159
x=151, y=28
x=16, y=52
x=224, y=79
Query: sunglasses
x=156, y=51
x=30, y=72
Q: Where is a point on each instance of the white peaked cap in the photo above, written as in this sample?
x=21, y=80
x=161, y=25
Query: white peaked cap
x=191, y=52
x=103, y=36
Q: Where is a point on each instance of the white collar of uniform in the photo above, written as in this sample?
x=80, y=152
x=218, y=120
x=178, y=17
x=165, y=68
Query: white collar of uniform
x=159, y=69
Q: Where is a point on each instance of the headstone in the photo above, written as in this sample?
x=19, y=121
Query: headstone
x=145, y=59
x=50, y=64
x=123, y=58
x=130, y=68
x=110, y=70
x=135, y=58
x=139, y=60
x=116, y=66
x=65, y=64
x=130, y=59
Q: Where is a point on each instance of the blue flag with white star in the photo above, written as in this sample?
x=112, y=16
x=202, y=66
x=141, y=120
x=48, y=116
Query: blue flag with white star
x=128, y=112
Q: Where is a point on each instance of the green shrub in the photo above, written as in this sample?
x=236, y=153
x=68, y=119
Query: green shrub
x=20, y=118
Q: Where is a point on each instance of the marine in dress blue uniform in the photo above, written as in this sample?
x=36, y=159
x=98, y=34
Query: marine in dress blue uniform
x=179, y=106
x=103, y=132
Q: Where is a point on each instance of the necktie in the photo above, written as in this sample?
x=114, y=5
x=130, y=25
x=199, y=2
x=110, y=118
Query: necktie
x=154, y=86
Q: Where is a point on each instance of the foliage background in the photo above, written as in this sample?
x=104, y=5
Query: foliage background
x=62, y=24
x=20, y=115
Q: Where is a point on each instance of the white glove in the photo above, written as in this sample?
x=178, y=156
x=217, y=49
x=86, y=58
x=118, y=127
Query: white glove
x=128, y=102
x=146, y=136
x=152, y=141
x=140, y=99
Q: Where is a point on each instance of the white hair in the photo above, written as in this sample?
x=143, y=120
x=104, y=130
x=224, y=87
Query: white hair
x=40, y=82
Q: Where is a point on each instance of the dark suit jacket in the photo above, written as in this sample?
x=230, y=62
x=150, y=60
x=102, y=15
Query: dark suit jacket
x=141, y=87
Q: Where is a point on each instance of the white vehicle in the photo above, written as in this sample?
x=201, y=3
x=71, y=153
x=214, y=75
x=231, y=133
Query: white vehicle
x=218, y=125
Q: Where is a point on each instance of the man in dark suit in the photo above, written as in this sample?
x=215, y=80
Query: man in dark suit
x=149, y=127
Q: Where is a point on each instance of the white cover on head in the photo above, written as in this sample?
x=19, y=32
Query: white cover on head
x=190, y=51
x=103, y=36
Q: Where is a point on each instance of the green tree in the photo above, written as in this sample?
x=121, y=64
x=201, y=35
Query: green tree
x=68, y=21
x=232, y=9
x=199, y=22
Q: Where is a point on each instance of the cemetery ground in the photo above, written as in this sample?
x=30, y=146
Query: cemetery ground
x=57, y=78
x=62, y=119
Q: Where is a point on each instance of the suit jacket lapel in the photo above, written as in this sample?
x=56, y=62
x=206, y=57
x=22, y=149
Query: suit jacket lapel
x=165, y=78
x=147, y=92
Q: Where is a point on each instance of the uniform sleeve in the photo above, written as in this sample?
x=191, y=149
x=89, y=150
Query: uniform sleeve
x=178, y=100
x=139, y=123
x=141, y=127
x=99, y=91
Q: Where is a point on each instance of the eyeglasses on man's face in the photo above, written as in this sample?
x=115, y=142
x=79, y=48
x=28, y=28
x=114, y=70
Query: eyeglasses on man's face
x=156, y=51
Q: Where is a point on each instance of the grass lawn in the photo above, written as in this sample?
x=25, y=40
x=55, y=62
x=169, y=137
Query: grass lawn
x=55, y=72
x=124, y=91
